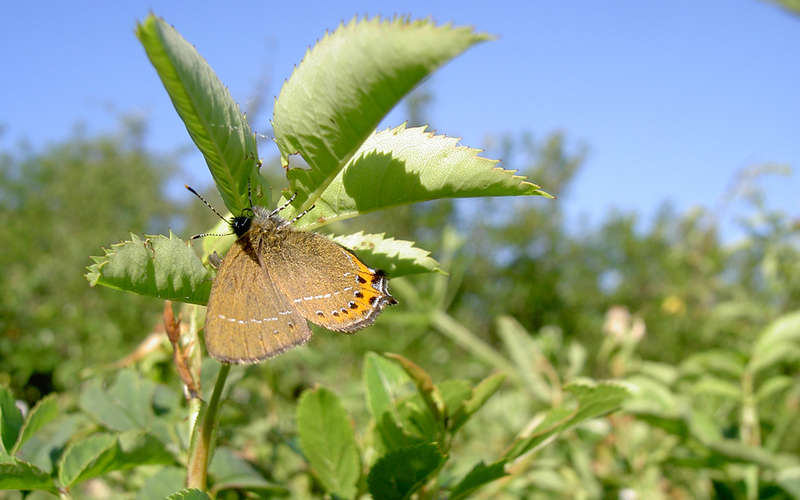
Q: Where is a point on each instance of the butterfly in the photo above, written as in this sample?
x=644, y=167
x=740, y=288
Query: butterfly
x=275, y=279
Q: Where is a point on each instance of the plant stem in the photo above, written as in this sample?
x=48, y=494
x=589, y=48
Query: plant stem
x=203, y=435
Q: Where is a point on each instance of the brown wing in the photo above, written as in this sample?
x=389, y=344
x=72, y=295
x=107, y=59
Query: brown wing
x=329, y=285
x=248, y=319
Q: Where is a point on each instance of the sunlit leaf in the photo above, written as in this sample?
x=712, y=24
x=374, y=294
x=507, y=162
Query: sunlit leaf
x=212, y=118
x=158, y=266
x=346, y=83
x=395, y=257
x=409, y=165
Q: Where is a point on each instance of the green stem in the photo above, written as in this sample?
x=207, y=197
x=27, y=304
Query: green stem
x=203, y=435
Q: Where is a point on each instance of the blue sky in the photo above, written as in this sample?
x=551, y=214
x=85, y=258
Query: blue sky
x=672, y=98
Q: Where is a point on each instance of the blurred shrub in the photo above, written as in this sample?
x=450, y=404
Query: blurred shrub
x=56, y=205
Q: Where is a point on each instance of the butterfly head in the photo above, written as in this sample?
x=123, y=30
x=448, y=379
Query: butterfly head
x=241, y=223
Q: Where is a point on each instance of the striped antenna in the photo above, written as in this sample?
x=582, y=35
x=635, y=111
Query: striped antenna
x=206, y=204
x=297, y=217
x=203, y=235
x=288, y=202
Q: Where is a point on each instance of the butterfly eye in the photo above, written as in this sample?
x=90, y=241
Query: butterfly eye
x=241, y=224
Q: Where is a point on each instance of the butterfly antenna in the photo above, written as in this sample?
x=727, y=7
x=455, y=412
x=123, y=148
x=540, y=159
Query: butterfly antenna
x=288, y=202
x=203, y=235
x=206, y=204
x=297, y=217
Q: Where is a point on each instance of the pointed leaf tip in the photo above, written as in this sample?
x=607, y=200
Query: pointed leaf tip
x=211, y=116
x=399, y=166
x=346, y=83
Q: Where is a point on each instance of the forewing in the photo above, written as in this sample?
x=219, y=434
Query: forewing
x=248, y=319
x=327, y=283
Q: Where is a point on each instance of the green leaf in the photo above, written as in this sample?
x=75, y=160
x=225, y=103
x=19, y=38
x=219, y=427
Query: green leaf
x=229, y=471
x=596, y=400
x=454, y=393
x=388, y=390
x=391, y=435
x=125, y=405
x=417, y=422
x=400, y=473
x=346, y=84
x=212, y=118
x=102, y=453
x=44, y=448
x=591, y=401
x=396, y=257
x=779, y=341
x=551, y=424
x=165, y=482
x=158, y=266
x=328, y=442
x=46, y=409
x=424, y=382
x=384, y=382
x=480, y=394
x=479, y=475
x=16, y=474
x=189, y=494
x=408, y=165
x=82, y=458
x=715, y=386
x=10, y=420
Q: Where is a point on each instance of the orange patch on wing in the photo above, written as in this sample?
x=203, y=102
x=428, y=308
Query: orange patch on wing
x=357, y=306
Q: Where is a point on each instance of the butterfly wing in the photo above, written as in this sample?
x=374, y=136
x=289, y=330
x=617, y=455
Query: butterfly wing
x=327, y=283
x=248, y=319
